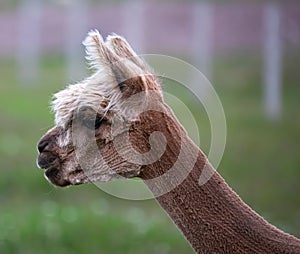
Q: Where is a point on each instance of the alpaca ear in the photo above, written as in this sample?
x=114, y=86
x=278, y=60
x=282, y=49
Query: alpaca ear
x=144, y=79
x=95, y=50
x=121, y=47
x=102, y=57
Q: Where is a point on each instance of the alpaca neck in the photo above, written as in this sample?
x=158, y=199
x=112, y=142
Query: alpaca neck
x=211, y=216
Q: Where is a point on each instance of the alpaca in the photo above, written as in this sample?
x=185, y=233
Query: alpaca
x=115, y=124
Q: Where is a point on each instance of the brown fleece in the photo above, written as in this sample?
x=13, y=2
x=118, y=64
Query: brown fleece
x=212, y=217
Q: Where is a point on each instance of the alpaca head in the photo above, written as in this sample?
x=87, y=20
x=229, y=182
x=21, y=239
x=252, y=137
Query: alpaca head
x=101, y=123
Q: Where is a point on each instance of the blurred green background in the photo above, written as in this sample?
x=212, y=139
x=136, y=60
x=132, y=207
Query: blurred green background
x=261, y=163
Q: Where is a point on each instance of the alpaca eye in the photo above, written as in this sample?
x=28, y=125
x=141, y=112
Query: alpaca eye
x=92, y=124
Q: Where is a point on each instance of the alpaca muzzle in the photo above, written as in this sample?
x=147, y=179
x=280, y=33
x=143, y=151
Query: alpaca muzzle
x=48, y=149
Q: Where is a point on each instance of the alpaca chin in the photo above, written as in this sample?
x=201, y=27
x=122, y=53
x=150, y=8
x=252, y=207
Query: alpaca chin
x=53, y=176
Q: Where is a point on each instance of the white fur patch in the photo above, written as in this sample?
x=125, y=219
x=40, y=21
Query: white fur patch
x=94, y=48
x=64, y=139
x=91, y=91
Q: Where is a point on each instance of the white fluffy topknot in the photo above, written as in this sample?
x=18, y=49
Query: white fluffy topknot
x=102, y=85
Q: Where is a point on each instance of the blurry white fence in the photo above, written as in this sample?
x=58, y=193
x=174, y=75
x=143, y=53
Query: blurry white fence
x=202, y=42
x=133, y=22
x=28, y=52
x=76, y=24
x=272, y=61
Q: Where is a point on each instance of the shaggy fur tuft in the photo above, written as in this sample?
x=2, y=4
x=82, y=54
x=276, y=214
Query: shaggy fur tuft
x=106, y=60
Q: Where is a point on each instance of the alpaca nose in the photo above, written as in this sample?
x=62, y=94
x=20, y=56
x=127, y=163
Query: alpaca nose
x=46, y=156
x=42, y=145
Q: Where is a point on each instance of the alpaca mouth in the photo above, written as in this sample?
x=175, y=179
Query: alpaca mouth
x=46, y=161
x=55, y=172
x=53, y=175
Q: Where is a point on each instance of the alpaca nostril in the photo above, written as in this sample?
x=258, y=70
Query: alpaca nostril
x=42, y=145
x=46, y=161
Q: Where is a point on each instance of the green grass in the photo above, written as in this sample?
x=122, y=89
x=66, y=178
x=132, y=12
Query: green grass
x=87, y=228
x=261, y=162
